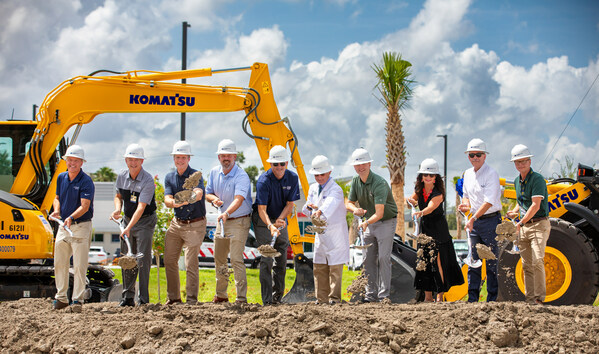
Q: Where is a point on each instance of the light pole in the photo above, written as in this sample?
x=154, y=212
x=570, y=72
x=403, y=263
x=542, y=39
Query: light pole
x=184, y=67
x=444, y=136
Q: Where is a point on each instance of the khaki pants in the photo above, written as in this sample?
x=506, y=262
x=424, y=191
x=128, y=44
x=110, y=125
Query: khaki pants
x=78, y=247
x=239, y=228
x=177, y=236
x=533, y=239
x=327, y=281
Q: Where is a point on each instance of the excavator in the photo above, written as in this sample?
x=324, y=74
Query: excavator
x=571, y=256
x=30, y=160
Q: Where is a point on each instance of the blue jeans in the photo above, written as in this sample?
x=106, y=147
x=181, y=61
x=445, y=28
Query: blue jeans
x=484, y=232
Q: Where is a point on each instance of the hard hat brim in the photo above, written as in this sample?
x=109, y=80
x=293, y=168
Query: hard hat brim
x=429, y=172
x=353, y=163
x=521, y=158
x=315, y=172
x=77, y=157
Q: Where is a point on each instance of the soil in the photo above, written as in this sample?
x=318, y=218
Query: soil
x=31, y=325
x=268, y=251
x=484, y=252
x=128, y=262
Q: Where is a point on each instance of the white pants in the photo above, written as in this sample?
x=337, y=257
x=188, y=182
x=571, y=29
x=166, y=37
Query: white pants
x=78, y=247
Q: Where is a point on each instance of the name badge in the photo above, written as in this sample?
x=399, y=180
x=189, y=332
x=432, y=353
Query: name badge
x=133, y=198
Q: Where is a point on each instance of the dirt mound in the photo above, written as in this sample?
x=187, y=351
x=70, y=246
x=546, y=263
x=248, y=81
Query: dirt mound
x=30, y=325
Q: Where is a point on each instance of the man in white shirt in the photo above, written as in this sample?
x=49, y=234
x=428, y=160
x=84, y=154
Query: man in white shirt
x=482, y=197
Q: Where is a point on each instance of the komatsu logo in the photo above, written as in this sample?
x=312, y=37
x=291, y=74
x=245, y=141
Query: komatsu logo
x=158, y=100
x=556, y=201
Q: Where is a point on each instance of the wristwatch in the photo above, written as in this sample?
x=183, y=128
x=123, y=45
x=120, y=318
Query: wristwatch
x=474, y=218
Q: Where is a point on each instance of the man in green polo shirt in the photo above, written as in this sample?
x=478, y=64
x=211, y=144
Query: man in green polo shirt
x=376, y=204
x=534, y=226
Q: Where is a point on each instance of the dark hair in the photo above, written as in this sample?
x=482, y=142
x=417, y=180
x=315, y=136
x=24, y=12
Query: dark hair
x=438, y=184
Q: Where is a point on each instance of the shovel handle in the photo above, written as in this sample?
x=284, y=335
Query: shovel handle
x=61, y=223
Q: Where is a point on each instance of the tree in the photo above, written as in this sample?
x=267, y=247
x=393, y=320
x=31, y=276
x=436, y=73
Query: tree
x=567, y=169
x=395, y=87
x=253, y=173
x=164, y=217
x=104, y=174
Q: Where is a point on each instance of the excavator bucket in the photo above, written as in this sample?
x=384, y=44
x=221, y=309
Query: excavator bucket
x=303, y=287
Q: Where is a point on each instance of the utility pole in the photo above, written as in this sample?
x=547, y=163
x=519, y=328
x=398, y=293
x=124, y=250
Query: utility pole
x=444, y=136
x=34, y=111
x=184, y=67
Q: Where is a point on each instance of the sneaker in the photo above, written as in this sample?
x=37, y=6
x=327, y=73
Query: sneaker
x=217, y=299
x=59, y=305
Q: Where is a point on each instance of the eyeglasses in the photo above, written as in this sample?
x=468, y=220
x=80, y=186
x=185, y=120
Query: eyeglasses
x=428, y=175
x=477, y=154
x=275, y=164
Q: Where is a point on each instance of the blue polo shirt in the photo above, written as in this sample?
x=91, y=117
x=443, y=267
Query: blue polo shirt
x=275, y=193
x=70, y=194
x=226, y=187
x=173, y=183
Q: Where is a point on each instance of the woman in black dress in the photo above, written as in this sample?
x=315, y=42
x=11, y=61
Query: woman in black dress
x=442, y=271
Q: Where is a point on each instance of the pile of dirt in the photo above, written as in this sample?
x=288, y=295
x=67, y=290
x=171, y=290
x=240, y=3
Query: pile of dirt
x=30, y=325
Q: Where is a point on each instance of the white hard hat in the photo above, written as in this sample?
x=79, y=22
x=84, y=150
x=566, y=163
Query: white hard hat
x=278, y=154
x=320, y=165
x=182, y=148
x=134, y=151
x=226, y=146
x=520, y=152
x=75, y=151
x=477, y=145
x=360, y=156
x=429, y=166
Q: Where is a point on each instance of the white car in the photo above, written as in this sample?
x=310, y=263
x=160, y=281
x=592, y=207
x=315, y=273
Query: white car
x=356, y=257
x=97, y=255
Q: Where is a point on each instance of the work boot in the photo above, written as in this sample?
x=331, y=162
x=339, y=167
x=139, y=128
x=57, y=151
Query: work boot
x=172, y=301
x=59, y=305
x=127, y=302
x=76, y=306
x=217, y=299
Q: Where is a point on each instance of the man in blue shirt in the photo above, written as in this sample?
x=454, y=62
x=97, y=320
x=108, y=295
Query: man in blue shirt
x=135, y=196
x=74, y=204
x=276, y=190
x=230, y=189
x=187, y=228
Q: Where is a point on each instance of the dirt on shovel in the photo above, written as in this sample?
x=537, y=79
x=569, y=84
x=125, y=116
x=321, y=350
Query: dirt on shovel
x=128, y=262
x=268, y=251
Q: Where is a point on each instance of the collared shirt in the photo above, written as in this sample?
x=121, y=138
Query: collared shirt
x=482, y=187
x=375, y=191
x=134, y=191
x=70, y=194
x=226, y=187
x=275, y=193
x=533, y=186
x=173, y=183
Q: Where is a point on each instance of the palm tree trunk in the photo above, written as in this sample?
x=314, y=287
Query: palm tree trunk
x=399, y=198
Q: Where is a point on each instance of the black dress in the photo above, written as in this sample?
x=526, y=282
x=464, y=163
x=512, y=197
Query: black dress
x=435, y=226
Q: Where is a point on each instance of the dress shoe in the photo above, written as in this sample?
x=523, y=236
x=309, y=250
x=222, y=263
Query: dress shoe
x=58, y=305
x=172, y=301
x=217, y=299
x=127, y=302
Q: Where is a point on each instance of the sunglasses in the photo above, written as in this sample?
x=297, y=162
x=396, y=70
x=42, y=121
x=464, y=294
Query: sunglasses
x=428, y=175
x=276, y=164
x=478, y=154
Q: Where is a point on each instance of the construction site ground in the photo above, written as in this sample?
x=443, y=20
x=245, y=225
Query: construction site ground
x=31, y=325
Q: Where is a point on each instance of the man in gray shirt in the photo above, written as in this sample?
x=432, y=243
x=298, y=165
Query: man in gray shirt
x=135, y=196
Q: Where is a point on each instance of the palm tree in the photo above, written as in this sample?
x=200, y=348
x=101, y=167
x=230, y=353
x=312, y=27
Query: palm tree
x=104, y=174
x=395, y=88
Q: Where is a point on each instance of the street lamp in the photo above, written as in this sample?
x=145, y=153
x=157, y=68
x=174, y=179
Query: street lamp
x=184, y=67
x=444, y=136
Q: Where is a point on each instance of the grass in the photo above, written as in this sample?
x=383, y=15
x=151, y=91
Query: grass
x=208, y=284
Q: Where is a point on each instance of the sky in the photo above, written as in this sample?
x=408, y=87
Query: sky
x=508, y=72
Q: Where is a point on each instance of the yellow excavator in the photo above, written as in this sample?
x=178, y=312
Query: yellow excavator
x=571, y=256
x=30, y=161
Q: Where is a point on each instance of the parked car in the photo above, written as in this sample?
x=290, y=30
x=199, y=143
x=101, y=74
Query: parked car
x=356, y=257
x=97, y=255
x=251, y=256
x=461, y=249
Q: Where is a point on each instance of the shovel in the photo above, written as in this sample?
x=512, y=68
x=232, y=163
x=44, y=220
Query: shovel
x=416, y=223
x=222, y=226
x=468, y=260
x=61, y=223
x=361, y=238
x=515, y=249
x=128, y=261
x=269, y=250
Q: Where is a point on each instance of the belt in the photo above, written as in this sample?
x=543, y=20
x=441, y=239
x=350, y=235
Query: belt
x=79, y=221
x=535, y=220
x=239, y=217
x=189, y=221
x=490, y=215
